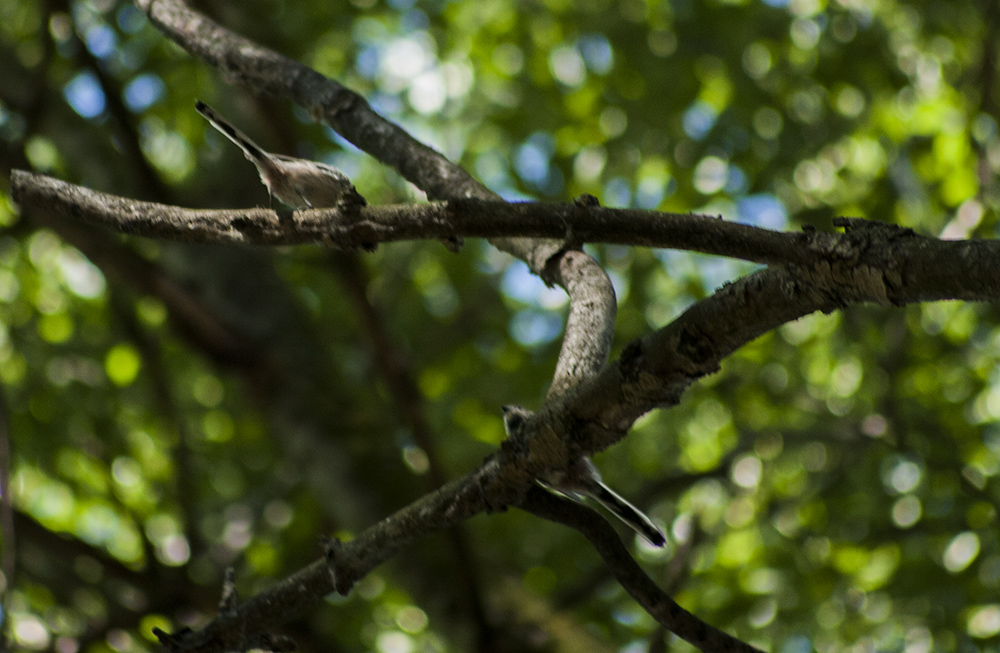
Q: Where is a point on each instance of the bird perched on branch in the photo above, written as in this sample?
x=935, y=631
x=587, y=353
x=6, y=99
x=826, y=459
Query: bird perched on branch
x=581, y=479
x=299, y=183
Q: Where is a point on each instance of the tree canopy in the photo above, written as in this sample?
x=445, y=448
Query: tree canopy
x=207, y=391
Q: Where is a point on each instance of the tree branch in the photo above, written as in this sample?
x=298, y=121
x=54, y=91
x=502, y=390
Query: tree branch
x=871, y=262
x=435, y=220
x=344, y=564
x=605, y=540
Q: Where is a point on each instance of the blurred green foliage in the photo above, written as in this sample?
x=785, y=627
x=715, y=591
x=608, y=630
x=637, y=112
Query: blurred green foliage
x=177, y=409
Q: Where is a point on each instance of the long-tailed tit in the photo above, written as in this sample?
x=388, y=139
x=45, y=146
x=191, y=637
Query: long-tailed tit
x=299, y=183
x=581, y=478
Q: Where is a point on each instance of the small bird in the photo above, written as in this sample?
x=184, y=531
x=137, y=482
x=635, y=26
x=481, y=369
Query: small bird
x=581, y=478
x=299, y=183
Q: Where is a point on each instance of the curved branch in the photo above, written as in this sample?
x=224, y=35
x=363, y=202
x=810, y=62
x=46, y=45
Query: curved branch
x=587, y=342
x=605, y=540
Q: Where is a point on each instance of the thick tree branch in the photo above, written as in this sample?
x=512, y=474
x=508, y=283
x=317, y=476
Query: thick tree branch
x=587, y=342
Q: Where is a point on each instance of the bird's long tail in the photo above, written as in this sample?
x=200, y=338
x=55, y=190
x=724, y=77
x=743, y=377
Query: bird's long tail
x=250, y=149
x=626, y=512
